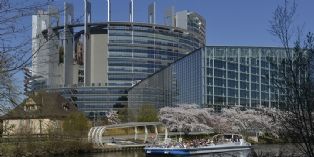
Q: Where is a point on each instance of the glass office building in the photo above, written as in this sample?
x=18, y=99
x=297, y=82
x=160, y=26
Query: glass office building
x=124, y=53
x=215, y=75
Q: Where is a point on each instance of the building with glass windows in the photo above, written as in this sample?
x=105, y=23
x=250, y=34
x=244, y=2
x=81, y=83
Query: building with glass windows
x=215, y=76
x=94, y=64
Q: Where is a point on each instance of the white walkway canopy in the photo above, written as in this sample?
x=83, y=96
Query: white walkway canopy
x=95, y=134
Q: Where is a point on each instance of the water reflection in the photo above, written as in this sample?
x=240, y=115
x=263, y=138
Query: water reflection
x=245, y=153
x=116, y=154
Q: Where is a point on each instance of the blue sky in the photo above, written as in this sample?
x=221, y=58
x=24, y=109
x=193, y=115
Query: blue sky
x=229, y=22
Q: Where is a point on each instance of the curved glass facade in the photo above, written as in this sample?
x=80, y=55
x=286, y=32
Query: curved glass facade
x=137, y=50
x=220, y=76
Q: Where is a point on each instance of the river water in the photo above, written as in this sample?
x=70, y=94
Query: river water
x=142, y=154
x=260, y=150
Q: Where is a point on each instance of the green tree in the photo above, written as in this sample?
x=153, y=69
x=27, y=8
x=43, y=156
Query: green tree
x=122, y=108
x=76, y=124
x=147, y=113
x=123, y=114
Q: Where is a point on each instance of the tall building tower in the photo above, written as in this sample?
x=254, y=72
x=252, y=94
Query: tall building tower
x=40, y=22
x=44, y=53
x=169, y=18
x=152, y=13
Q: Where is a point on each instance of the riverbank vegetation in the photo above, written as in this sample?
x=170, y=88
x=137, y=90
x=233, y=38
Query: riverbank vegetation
x=70, y=139
x=44, y=148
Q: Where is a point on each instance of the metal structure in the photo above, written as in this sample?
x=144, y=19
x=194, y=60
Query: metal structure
x=131, y=11
x=152, y=13
x=87, y=59
x=68, y=44
x=108, y=10
x=95, y=134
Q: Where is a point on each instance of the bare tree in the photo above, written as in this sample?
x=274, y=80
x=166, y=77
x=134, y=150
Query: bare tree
x=8, y=92
x=296, y=84
x=15, y=45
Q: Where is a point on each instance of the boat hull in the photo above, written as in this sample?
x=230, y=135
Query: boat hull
x=192, y=151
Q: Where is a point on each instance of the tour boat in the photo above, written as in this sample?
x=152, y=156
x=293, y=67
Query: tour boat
x=218, y=147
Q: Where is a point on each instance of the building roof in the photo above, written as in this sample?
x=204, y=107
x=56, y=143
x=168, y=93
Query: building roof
x=42, y=105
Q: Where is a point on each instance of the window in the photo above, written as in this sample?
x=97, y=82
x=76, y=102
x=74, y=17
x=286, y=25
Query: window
x=265, y=96
x=220, y=91
x=81, y=79
x=244, y=85
x=81, y=72
x=254, y=70
x=254, y=95
x=254, y=62
x=232, y=75
x=232, y=92
x=220, y=73
x=265, y=88
x=244, y=94
x=233, y=66
x=264, y=64
x=209, y=71
x=232, y=83
x=209, y=81
x=219, y=64
x=254, y=87
x=254, y=78
x=219, y=100
x=28, y=108
x=220, y=82
x=244, y=77
x=244, y=68
x=66, y=107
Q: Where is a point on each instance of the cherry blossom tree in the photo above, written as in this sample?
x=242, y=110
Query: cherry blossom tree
x=187, y=117
x=244, y=120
